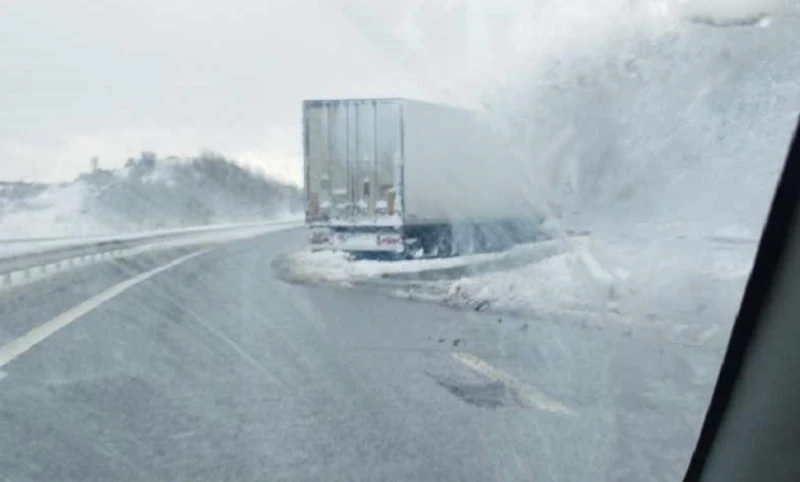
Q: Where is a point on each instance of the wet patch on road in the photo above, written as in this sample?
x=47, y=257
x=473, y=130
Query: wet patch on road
x=491, y=394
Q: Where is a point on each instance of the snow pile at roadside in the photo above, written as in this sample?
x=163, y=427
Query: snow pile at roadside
x=552, y=283
x=340, y=268
x=674, y=283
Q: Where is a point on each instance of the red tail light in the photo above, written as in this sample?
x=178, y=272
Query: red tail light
x=389, y=240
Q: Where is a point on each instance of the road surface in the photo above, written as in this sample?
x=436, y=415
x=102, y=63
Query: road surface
x=213, y=369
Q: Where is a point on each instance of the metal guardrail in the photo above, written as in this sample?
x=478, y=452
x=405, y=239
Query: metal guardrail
x=85, y=251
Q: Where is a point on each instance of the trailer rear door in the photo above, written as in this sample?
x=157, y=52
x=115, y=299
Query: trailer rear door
x=353, y=151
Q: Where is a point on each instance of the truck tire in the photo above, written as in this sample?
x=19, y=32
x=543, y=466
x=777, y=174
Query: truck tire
x=437, y=241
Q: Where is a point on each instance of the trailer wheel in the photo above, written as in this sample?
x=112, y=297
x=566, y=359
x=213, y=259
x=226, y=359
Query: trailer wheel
x=437, y=241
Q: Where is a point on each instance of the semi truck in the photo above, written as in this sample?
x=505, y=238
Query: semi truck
x=405, y=178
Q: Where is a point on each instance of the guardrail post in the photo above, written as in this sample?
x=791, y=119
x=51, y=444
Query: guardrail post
x=7, y=279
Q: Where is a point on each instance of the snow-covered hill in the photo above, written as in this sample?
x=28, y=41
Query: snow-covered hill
x=663, y=116
x=147, y=194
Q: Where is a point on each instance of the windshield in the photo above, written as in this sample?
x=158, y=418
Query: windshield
x=358, y=240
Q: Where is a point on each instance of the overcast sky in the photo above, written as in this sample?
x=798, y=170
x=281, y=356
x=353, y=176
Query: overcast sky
x=113, y=78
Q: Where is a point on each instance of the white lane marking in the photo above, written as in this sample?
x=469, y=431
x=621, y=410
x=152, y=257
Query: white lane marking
x=27, y=341
x=529, y=395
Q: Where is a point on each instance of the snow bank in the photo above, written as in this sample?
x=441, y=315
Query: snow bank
x=674, y=284
x=552, y=283
x=340, y=268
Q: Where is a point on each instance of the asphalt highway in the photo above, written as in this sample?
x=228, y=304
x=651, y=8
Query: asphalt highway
x=199, y=364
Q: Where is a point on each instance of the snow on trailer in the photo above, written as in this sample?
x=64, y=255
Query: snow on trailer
x=404, y=177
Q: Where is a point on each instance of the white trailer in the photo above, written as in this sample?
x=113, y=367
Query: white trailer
x=399, y=176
